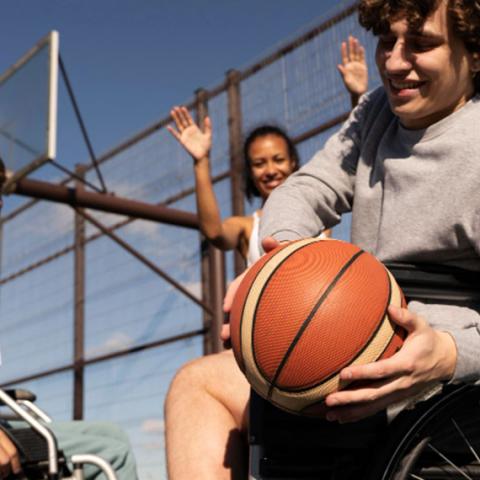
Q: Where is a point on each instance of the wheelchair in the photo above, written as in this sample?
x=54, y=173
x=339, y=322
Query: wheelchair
x=27, y=427
x=438, y=439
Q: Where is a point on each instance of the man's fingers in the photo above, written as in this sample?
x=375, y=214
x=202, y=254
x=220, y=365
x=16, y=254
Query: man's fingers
x=269, y=243
x=9, y=459
x=356, y=412
x=372, y=392
x=387, y=368
x=405, y=318
x=225, y=332
x=231, y=291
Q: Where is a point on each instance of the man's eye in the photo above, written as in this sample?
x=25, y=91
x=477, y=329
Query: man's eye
x=420, y=46
x=386, y=43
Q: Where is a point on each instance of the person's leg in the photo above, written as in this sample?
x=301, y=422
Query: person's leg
x=205, y=414
x=104, y=439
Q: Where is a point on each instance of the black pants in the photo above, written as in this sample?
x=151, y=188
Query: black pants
x=296, y=447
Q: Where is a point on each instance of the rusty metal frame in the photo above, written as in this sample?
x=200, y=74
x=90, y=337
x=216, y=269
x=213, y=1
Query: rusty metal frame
x=236, y=157
x=79, y=307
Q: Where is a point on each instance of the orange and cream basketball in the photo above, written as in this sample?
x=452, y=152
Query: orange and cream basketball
x=306, y=310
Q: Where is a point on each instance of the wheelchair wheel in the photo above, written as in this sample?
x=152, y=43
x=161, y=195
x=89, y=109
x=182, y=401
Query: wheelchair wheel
x=440, y=439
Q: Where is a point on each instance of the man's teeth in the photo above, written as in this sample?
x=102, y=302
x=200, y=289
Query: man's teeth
x=405, y=85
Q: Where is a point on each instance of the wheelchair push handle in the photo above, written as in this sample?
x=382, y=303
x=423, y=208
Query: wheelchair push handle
x=21, y=394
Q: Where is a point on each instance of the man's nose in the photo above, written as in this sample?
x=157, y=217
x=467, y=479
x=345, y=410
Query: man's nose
x=398, y=60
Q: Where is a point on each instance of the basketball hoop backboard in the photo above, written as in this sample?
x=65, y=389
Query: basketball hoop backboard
x=28, y=110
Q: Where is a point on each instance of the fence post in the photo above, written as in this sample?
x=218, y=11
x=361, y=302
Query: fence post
x=201, y=110
x=216, y=286
x=212, y=266
x=236, y=161
x=79, y=302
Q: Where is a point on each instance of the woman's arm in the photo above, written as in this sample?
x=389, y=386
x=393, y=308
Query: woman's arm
x=225, y=235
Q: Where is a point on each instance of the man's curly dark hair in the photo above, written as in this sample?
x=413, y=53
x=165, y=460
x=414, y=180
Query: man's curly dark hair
x=376, y=15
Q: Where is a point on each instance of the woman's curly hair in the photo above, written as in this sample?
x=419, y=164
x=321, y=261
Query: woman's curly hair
x=376, y=15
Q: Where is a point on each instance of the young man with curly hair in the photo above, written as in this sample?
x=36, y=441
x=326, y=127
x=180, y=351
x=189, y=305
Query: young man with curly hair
x=406, y=165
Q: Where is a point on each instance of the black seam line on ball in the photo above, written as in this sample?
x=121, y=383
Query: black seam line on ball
x=260, y=296
x=309, y=319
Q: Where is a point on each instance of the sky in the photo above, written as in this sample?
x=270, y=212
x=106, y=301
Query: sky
x=130, y=60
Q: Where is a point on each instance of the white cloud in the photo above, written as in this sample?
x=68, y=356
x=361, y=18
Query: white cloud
x=195, y=288
x=153, y=425
x=118, y=341
x=52, y=221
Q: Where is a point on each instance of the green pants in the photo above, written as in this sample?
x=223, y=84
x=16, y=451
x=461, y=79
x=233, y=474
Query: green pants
x=104, y=439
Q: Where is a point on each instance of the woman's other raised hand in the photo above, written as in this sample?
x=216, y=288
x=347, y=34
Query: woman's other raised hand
x=354, y=68
x=195, y=141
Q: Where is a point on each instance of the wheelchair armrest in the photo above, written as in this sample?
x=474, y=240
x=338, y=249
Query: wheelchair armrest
x=20, y=394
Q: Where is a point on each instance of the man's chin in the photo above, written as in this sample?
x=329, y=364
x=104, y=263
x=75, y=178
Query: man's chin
x=406, y=112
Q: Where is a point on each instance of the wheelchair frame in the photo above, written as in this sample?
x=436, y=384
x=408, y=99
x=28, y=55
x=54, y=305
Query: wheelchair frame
x=20, y=402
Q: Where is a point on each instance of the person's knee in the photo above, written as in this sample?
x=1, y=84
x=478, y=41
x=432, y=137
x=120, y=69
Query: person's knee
x=214, y=378
x=191, y=377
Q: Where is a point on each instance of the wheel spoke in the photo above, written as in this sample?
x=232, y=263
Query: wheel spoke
x=470, y=446
x=440, y=454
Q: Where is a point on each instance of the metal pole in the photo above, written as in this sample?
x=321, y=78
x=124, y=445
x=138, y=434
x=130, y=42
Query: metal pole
x=236, y=163
x=201, y=108
x=217, y=293
x=79, y=314
x=81, y=123
x=105, y=202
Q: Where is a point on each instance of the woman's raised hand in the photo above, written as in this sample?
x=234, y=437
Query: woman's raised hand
x=188, y=133
x=354, y=68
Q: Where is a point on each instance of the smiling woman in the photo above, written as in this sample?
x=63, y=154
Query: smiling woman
x=270, y=157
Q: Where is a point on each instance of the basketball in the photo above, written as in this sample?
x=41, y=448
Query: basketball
x=305, y=311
